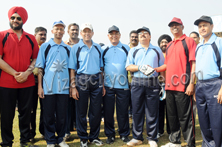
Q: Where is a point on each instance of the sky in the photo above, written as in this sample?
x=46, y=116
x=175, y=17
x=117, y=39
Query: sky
x=126, y=14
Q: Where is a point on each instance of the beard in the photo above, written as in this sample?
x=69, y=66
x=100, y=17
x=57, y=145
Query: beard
x=163, y=48
x=19, y=27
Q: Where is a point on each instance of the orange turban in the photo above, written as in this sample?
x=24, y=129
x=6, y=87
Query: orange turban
x=21, y=11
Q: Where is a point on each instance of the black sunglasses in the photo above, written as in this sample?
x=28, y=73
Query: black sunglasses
x=18, y=18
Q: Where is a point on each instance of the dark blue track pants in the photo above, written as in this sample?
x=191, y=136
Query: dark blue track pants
x=209, y=112
x=89, y=87
x=121, y=98
x=54, y=117
x=145, y=100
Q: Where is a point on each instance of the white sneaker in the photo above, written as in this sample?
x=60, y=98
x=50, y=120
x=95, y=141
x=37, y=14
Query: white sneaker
x=50, y=145
x=42, y=136
x=159, y=135
x=152, y=143
x=175, y=145
x=83, y=143
x=97, y=142
x=63, y=144
x=171, y=145
x=67, y=136
x=134, y=142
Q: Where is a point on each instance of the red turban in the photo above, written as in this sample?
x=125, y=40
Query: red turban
x=21, y=11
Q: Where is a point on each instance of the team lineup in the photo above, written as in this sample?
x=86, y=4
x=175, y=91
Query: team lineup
x=79, y=81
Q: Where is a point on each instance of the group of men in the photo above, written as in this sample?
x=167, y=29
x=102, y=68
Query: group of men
x=93, y=75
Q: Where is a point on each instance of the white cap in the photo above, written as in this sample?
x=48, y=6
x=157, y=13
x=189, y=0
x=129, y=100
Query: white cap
x=86, y=25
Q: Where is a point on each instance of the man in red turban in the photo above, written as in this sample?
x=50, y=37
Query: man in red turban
x=20, y=11
x=16, y=79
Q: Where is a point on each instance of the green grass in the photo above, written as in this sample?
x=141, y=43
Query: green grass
x=74, y=141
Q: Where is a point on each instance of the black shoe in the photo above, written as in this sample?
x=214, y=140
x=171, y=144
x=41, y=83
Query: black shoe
x=1, y=144
x=6, y=145
x=110, y=140
x=125, y=139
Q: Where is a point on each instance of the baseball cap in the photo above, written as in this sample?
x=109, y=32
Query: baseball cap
x=143, y=29
x=203, y=18
x=113, y=28
x=86, y=25
x=58, y=23
x=177, y=20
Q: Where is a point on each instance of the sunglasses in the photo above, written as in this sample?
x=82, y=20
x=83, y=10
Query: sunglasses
x=145, y=32
x=18, y=18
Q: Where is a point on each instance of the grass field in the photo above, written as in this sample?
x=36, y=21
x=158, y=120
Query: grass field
x=75, y=141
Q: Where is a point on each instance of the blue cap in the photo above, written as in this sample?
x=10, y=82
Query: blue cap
x=58, y=23
x=113, y=28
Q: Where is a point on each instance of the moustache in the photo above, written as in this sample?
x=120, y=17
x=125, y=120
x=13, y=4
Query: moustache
x=16, y=23
x=143, y=36
x=42, y=39
x=134, y=40
x=163, y=47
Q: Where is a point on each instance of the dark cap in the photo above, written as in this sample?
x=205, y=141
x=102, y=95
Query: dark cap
x=177, y=20
x=203, y=18
x=113, y=28
x=143, y=29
